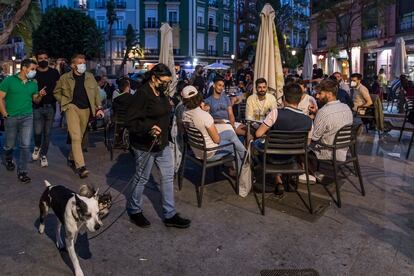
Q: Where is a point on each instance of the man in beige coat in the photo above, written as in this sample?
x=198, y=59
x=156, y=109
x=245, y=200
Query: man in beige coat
x=78, y=95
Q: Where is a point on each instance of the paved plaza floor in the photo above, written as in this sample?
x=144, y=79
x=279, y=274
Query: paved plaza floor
x=371, y=235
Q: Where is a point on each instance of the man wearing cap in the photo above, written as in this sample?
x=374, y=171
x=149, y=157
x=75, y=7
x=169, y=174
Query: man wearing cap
x=204, y=122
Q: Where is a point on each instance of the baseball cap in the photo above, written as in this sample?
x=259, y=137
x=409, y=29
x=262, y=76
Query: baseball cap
x=189, y=92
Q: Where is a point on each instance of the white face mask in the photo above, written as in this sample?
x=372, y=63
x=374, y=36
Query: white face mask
x=31, y=74
x=81, y=68
x=353, y=84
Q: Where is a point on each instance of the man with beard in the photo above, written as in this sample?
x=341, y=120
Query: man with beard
x=44, y=112
x=260, y=104
x=330, y=118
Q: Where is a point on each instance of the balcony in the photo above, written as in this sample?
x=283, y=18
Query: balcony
x=226, y=29
x=406, y=26
x=120, y=4
x=212, y=53
x=151, y=24
x=118, y=32
x=172, y=0
x=201, y=25
x=176, y=52
x=322, y=42
x=213, y=4
x=151, y=52
x=370, y=33
x=226, y=53
x=78, y=5
x=100, y=5
x=212, y=28
x=174, y=23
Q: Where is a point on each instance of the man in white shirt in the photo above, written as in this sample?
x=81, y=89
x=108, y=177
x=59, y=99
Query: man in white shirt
x=342, y=83
x=260, y=104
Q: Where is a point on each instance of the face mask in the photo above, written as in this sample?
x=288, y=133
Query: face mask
x=43, y=64
x=31, y=74
x=81, y=68
x=353, y=84
x=162, y=88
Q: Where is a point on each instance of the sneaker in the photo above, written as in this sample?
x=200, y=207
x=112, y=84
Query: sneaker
x=10, y=165
x=177, y=221
x=36, y=154
x=22, y=176
x=82, y=172
x=43, y=161
x=280, y=189
x=71, y=163
x=139, y=220
x=302, y=179
x=319, y=177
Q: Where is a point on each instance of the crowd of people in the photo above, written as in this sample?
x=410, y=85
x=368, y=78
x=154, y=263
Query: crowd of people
x=28, y=101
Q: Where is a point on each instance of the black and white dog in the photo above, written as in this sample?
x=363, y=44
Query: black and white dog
x=73, y=211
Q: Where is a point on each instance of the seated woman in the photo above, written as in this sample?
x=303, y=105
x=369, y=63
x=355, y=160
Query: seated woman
x=204, y=122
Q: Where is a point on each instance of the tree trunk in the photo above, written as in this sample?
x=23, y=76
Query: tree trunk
x=110, y=49
x=349, y=53
x=16, y=18
x=124, y=60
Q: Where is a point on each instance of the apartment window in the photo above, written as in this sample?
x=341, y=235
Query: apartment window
x=119, y=48
x=322, y=36
x=120, y=23
x=226, y=23
x=151, y=18
x=211, y=21
x=101, y=22
x=200, y=41
x=405, y=16
x=173, y=16
x=200, y=16
x=151, y=41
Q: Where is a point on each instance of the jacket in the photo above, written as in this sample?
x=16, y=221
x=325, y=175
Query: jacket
x=64, y=91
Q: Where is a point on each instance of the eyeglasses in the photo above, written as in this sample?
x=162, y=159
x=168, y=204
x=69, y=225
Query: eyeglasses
x=164, y=82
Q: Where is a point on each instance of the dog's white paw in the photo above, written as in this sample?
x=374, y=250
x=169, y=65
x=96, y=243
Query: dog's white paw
x=41, y=228
x=79, y=273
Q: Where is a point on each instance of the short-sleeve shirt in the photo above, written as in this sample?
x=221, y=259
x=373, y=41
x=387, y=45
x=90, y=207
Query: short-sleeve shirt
x=19, y=95
x=289, y=119
x=257, y=110
x=305, y=103
x=201, y=120
x=218, y=107
x=360, y=94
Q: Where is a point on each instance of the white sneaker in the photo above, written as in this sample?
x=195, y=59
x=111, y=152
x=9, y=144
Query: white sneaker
x=43, y=162
x=302, y=179
x=319, y=177
x=36, y=154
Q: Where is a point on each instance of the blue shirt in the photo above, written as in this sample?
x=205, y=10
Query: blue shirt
x=218, y=107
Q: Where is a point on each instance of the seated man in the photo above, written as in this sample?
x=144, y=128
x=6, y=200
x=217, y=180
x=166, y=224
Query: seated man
x=289, y=118
x=221, y=108
x=260, y=104
x=204, y=122
x=361, y=95
x=330, y=118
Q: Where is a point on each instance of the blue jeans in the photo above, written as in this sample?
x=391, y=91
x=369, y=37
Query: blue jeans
x=165, y=163
x=42, y=124
x=18, y=128
x=226, y=137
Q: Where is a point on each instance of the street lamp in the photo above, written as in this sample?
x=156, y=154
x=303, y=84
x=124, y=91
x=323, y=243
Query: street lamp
x=14, y=65
x=195, y=62
x=293, y=52
x=233, y=57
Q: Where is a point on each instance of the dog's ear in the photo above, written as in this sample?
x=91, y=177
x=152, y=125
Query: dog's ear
x=81, y=206
x=96, y=195
x=86, y=191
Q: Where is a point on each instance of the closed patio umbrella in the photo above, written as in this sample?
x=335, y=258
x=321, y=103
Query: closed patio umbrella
x=167, y=56
x=399, y=59
x=307, y=63
x=268, y=63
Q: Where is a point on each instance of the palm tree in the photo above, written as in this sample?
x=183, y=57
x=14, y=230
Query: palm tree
x=24, y=18
x=112, y=18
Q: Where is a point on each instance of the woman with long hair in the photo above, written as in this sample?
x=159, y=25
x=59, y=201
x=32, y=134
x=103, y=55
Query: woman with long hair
x=148, y=119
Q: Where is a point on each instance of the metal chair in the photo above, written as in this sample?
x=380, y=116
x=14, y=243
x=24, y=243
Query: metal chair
x=408, y=118
x=292, y=143
x=116, y=133
x=194, y=139
x=241, y=112
x=345, y=138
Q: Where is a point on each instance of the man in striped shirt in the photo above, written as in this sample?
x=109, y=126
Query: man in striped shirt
x=330, y=118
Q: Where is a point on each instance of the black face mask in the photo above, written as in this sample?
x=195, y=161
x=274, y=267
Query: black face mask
x=43, y=64
x=162, y=88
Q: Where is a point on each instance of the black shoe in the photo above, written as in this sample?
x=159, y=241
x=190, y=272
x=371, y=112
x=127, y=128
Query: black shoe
x=280, y=189
x=10, y=166
x=177, y=221
x=82, y=172
x=140, y=220
x=71, y=163
x=23, y=177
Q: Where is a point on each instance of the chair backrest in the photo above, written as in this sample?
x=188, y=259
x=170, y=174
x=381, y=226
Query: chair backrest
x=194, y=137
x=409, y=111
x=286, y=142
x=242, y=111
x=345, y=137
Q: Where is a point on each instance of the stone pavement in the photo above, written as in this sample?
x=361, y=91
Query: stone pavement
x=372, y=235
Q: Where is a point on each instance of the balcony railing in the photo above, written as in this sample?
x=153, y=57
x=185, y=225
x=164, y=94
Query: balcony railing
x=172, y=0
x=406, y=26
x=120, y=4
x=100, y=4
x=370, y=33
x=151, y=52
x=201, y=24
x=174, y=23
x=176, y=52
x=226, y=28
x=322, y=42
x=212, y=28
x=226, y=53
x=212, y=53
x=118, y=32
x=213, y=4
x=151, y=24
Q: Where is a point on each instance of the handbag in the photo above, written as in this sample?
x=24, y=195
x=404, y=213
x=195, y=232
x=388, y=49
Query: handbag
x=245, y=176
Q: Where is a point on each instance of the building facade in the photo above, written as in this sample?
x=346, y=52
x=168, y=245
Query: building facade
x=373, y=39
x=297, y=27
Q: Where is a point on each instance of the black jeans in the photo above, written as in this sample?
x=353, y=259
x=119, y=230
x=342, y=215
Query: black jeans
x=43, y=121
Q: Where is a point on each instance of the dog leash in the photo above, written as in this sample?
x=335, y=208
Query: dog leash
x=139, y=178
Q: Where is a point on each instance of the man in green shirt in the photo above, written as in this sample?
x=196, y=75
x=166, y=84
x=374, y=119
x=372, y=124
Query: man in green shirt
x=17, y=93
